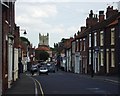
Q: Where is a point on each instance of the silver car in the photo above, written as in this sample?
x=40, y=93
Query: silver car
x=43, y=70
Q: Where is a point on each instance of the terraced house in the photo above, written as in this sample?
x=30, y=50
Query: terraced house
x=97, y=44
x=9, y=34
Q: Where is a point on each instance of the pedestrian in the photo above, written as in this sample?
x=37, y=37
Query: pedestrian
x=92, y=73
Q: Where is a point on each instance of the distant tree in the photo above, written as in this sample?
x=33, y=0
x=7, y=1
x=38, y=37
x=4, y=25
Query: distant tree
x=41, y=55
x=25, y=40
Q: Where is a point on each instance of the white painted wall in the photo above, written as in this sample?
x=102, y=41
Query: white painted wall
x=77, y=62
x=15, y=64
x=69, y=62
x=24, y=62
x=10, y=62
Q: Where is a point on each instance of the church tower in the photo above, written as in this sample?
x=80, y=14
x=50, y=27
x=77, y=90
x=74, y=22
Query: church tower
x=44, y=39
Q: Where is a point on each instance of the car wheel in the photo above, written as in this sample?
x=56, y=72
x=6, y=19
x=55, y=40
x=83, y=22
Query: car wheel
x=47, y=73
x=39, y=73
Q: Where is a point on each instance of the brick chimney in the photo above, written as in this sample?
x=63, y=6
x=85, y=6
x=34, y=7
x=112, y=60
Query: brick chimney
x=110, y=12
x=101, y=16
x=91, y=20
x=83, y=28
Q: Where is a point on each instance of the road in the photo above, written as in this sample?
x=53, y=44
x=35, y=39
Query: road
x=70, y=83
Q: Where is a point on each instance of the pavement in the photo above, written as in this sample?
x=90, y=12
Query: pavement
x=26, y=85
x=23, y=85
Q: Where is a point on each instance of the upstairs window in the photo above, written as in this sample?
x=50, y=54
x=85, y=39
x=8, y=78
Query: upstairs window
x=101, y=38
x=95, y=39
x=112, y=36
x=89, y=40
x=80, y=44
x=84, y=44
x=77, y=45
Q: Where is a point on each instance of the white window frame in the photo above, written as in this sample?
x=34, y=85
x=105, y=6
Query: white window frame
x=101, y=38
x=112, y=36
x=73, y=47
x=80, y=44
x=95, y=39
x=112, y=57
x=77, y=48
x=84, y=44
x=89, y=57
x=101, y=58
x=89, y=40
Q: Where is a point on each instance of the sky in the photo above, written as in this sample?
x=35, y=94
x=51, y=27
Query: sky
x=59, y=18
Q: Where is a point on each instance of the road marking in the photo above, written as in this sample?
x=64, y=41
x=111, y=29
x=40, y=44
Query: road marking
x=36, y=91
x=112, y=81
x=40, y=87
x=98, y=90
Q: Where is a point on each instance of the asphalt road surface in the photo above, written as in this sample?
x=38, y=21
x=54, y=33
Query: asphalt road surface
x=70, y=83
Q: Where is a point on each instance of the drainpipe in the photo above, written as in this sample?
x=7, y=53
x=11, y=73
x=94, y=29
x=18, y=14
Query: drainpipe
x=92, y=42
x=0, y=49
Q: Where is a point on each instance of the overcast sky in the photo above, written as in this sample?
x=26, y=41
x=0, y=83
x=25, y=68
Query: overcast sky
x=61, y=19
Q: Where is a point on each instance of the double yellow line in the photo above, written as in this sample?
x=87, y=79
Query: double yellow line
x=37, y=82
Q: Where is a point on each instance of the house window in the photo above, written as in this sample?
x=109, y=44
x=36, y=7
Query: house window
x=89, y=57
x=112, y=36
x=77, y=45
x=84, y=44
x=102, y=58
x=101, y=38
x=80, y=44
x=112, y=58
x=73, y=47
x=95, y=39
x=89, y=40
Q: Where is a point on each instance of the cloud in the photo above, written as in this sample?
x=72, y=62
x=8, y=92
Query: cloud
x=44, y=1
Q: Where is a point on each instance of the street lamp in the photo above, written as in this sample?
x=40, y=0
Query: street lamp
x=24, y=31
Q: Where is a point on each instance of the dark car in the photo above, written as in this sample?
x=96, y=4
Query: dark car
x=51, y=67
x=34, y=68
x=43, y=70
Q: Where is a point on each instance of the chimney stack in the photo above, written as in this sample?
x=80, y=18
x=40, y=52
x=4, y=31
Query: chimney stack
x=91, y=20
x=101, y=16
x=110, y=12
x=83, y=28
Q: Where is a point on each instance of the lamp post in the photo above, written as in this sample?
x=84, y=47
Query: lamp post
x=23, y=58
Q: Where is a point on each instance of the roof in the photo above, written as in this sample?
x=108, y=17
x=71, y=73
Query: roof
x=107, y=22
x=43, y=48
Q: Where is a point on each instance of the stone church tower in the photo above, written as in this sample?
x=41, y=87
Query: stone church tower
x=44, y=39
x=44, y=45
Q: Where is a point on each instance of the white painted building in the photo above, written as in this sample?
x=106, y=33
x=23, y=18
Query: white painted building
x=68, y=61
x=73, y=56
x=10, y=60
x=15, y=64
x=77, y=62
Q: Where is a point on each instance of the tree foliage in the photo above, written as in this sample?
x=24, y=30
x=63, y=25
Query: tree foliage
x=25, y=40
x=41, y=55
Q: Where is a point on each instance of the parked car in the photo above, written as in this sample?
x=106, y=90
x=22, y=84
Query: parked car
x=34, y=68
x=43, y=70
x=51, y=67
